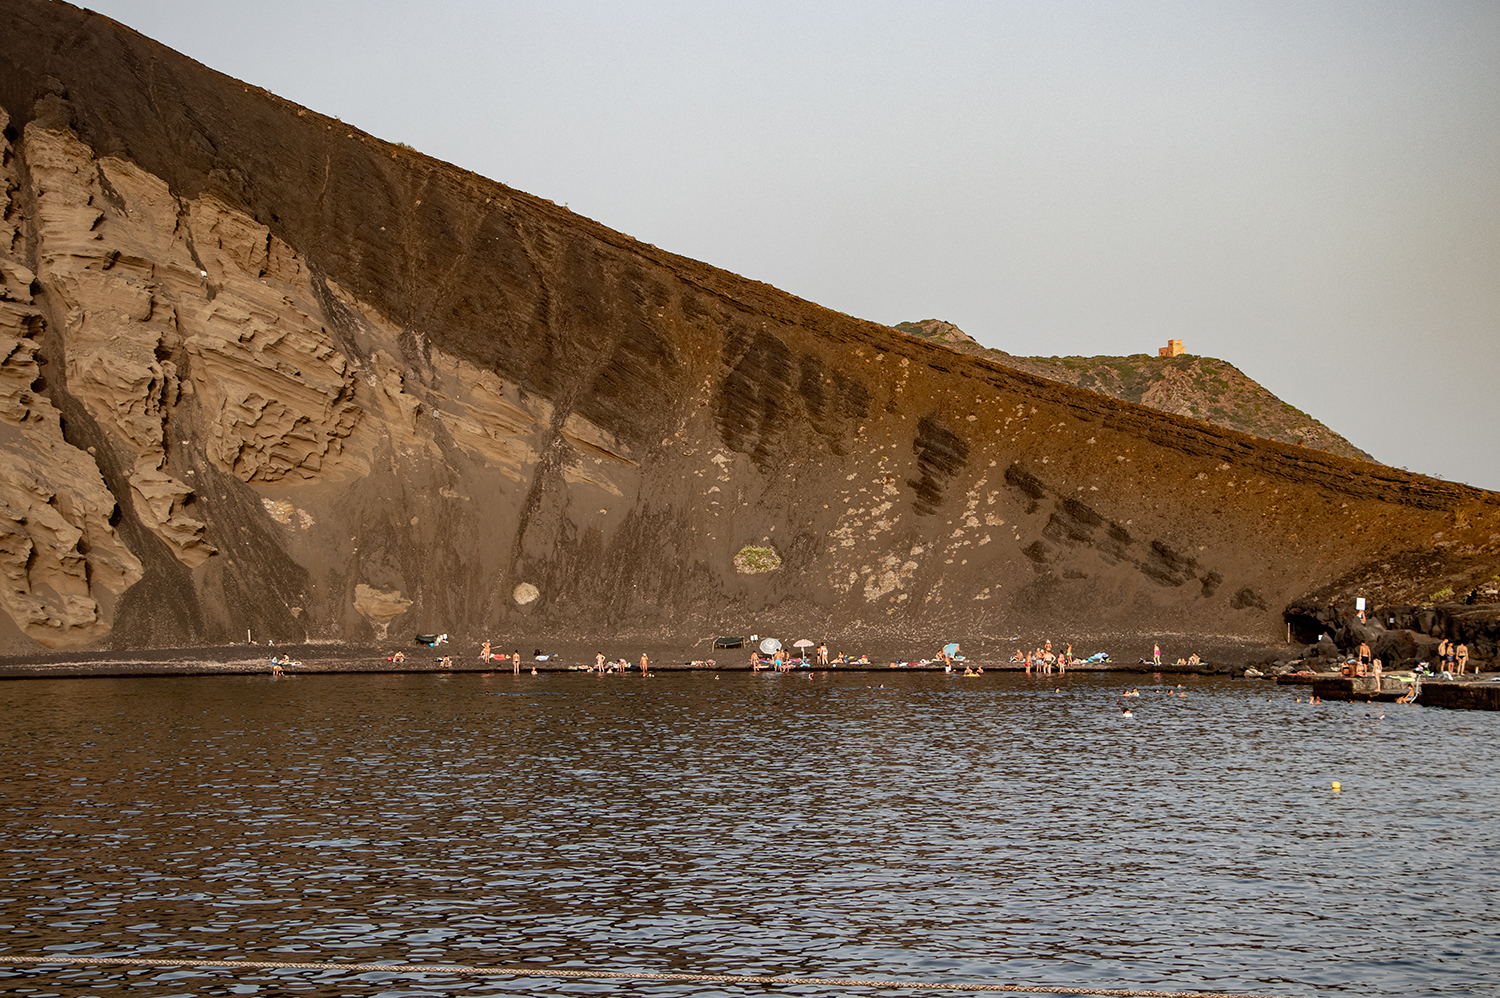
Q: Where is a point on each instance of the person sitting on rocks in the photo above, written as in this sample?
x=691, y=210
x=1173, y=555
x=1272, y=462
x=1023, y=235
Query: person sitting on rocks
x=1193, y=659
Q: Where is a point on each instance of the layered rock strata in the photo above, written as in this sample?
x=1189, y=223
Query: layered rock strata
x=61, y=561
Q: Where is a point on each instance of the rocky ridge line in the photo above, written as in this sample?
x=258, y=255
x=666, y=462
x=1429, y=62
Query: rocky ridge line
x=1186, y=385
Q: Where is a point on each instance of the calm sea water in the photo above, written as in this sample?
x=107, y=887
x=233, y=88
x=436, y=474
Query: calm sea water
x=919, y=827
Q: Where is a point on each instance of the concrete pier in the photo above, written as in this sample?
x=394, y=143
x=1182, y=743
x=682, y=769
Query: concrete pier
x=1484, y=695
x=1338, y=687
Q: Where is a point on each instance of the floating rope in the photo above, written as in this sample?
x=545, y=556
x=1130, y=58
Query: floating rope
x=632, y=975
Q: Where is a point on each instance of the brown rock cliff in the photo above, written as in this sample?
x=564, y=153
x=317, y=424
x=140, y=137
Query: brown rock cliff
x=316, y=385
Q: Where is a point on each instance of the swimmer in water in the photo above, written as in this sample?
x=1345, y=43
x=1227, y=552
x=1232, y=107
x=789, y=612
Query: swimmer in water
x=1126, y=713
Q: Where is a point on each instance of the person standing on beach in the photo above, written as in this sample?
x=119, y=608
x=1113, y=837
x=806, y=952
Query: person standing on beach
x=484, y=653
x=823, y=654
x=645, y=664
x=515, y=661
x=1156, y=653
x=1461, y=656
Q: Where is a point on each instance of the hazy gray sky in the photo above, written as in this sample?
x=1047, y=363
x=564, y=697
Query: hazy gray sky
x=1308, y=190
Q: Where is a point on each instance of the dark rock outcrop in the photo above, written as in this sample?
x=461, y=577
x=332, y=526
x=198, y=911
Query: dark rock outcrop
x=265, y=371
x=1398, y=635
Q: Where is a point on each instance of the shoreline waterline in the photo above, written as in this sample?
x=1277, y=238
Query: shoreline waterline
x=1226, y=658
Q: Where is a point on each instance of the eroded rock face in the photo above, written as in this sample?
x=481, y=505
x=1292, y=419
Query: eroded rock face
x=176, y=312
x=152, y=284
x=107, y=248
x=60, y=556
x=280, y=392
x=380, y=606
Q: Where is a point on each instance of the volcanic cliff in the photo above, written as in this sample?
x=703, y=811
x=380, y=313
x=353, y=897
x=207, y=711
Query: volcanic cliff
x=265, y=371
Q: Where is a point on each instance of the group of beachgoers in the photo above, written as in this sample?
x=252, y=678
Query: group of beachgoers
x=1454, y=657
x=1134, y=693
x=784, y=661
x=1044, y=660
x=279, y=664
x=601, y=664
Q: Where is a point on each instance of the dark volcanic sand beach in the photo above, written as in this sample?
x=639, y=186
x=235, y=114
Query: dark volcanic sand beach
x=1221, y=657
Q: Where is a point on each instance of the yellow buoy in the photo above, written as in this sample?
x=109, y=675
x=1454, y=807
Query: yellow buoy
x=1336, y=787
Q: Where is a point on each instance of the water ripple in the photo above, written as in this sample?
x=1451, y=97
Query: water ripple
x=917, y=826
